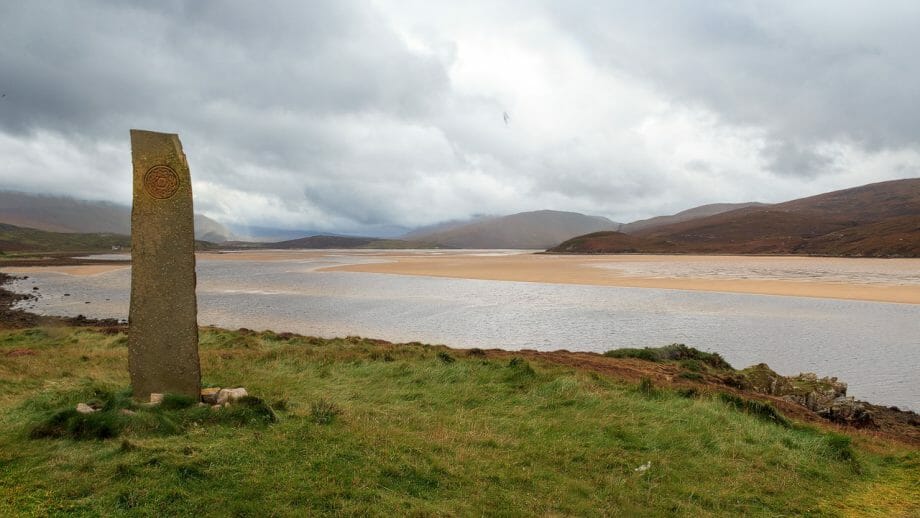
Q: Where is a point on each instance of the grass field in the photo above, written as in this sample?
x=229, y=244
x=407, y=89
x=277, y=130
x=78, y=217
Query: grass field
x=16, y=239
x=369, y=428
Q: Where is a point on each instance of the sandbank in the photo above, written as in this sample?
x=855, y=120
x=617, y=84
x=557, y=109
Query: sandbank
x=602, y=271
x=78, y=270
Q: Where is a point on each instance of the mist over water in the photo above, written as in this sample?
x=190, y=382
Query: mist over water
x=875, y=347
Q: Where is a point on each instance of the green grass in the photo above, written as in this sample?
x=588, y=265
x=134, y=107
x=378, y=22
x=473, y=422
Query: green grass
x=366, y=428
x=689, y=358
x=18, y=239
x=759, y=409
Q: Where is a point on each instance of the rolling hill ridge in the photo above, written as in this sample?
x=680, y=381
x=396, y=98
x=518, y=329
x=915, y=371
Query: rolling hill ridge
x=69, y=215
x=875, y=220
x=686, y=215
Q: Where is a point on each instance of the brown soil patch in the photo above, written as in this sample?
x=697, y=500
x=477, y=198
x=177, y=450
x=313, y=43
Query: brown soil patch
x=21, y=352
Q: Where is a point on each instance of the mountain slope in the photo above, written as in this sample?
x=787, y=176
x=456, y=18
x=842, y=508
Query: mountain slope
x=526, y=230
x=610, y=242
x=62, y=214
x=880, y=220
x=686, y=215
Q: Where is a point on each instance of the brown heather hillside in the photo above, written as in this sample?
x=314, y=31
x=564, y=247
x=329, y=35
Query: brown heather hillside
x=686, y=215
x=878, y=220
x=889, y=237
x=612, y=243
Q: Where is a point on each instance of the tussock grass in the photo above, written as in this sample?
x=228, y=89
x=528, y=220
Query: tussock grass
x=324, y=412
x=759, y=409
x=412, y=435
x=118, y=415
x=689, y=358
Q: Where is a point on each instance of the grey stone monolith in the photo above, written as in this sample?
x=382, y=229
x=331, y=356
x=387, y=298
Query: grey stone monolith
x=163, y=318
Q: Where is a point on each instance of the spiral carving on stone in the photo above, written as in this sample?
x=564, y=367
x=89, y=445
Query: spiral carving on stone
x=161, y=182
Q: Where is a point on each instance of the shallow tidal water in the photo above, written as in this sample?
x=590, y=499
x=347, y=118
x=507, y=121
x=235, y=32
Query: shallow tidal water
x=873, y=346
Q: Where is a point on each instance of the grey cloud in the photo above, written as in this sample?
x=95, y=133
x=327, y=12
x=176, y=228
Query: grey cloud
x=810, y=72
x=790, y=158
x=85, y=68
x=324, y=115
x=255, y=89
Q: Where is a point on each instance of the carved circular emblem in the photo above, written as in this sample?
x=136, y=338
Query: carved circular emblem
x=161, y=182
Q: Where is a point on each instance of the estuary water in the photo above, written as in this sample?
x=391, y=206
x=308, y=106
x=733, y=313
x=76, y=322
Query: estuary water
x=873, y=346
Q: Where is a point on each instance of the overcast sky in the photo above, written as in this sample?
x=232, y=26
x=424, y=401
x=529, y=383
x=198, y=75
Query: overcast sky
x=351, y=115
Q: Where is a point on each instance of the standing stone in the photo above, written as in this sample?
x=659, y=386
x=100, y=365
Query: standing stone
x=163, y=319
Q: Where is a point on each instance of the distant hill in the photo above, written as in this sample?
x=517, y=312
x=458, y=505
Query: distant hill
x=62, y=214
x=526, y=230
x=687, y=215
x=21, y=240
x=877, y=220
x=18, y=239
x=325, y=242
x=259, y=234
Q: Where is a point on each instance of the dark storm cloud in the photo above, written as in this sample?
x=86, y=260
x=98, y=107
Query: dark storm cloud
x=78, y=67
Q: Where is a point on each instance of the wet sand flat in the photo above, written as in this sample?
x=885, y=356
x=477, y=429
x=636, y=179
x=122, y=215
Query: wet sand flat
x=603, y=271
x=80, y=270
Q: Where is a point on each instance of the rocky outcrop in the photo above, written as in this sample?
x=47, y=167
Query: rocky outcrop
x=848, y=410
x=826, y=397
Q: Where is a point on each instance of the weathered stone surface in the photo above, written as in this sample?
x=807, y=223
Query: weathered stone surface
x=826, y=397
x=230, y=395
x=163, y=326
x=83, y=408
x=848, y=410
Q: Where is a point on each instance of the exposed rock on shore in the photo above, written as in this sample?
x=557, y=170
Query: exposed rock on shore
x=826, y=396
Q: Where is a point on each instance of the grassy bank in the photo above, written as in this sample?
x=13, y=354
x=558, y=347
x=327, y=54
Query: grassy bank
x=366, y=427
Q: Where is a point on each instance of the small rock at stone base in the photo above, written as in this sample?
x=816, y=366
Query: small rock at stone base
x=209, y=395
x=83, y=408
x=216, y=407
x=155, y=398
x=230, y=395
x=125, y=411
